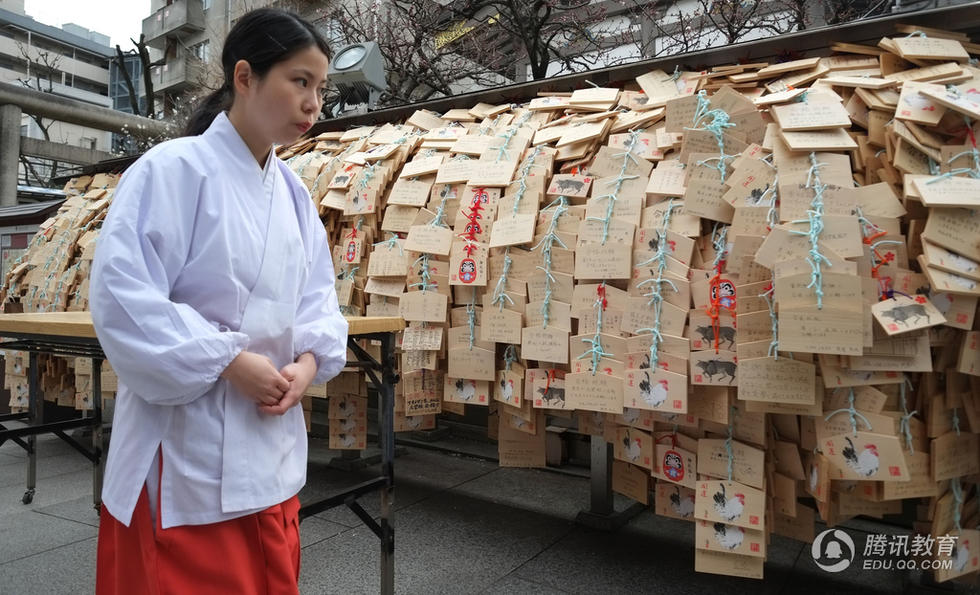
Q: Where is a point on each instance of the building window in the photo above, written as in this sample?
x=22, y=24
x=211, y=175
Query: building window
x=202, y=50
x=91, y=86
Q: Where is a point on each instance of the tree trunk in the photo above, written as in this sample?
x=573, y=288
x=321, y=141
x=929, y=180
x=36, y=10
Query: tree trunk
x=133, y=99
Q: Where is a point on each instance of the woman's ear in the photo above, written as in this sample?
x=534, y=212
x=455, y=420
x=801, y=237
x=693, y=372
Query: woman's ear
x=242, y=78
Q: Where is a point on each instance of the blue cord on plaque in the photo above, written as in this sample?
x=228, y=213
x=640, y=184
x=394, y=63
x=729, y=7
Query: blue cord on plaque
x=852, y=412
x=349, y=273
x=656, y=287
x=815, y=219
x=391, y=242
x=906, y=415
x=767, y=295
x=560, y=205
x=596, y=352
x=720, y=120
x=956, y=421
x=437, y=221
x=867, y=227
x=973, y=172
x=612, y=197
x=729, y=450
x=500, y=291
x=471, y=318
x=367, y=176
x=425, y=274
x=510, y=356
x=522, y=180
x=507, y=136
x=954, y=485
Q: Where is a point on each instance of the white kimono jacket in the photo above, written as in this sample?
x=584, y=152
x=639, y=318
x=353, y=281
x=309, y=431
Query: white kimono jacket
x=204, y=254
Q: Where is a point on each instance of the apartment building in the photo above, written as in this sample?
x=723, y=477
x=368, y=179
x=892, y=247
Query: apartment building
x=70, y=61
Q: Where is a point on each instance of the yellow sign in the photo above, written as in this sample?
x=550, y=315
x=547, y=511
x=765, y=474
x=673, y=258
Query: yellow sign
x=457, y=30
x=451, y=34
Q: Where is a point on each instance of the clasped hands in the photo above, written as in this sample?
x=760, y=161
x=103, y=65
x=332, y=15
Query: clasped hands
x=275, y=391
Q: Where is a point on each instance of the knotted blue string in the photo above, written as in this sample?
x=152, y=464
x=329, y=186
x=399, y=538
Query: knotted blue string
x=719, y=121
x=954, y=484
x=438, y=220
x=510, y=356
x=507, y=136
x=815, y=219
x=349, y=273
x=471, y=318
x=425, y=274
x=656, y=287
x=852, y=412
x=767, y=295
x=595, y=351
x=500, y=291
x=551, y=238
x=904, y=424
x=729, y=450
x=972, y=152
x=613, y=196
x=391, y=242
x=522, y=178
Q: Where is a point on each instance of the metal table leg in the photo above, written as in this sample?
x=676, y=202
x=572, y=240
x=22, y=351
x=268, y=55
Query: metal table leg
x=98, y=464
x=34, y=406
x=602, y=512
x=386, y=438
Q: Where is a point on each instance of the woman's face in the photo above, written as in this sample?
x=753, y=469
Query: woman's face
x=286, y=102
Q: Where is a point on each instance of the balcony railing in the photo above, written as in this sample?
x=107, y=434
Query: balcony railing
x=183, y=17
x=177, y=74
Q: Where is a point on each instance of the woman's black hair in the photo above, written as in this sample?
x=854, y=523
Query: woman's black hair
x=263, y=38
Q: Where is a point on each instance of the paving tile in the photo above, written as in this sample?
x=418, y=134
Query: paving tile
x=449, y=543
x=66, y=570
x=27, y=533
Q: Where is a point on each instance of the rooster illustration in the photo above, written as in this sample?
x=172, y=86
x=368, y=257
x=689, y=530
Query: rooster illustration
x=685, y=507
x=507, y=389
x=653, y=395
x=348, y=424
x=961, y=555
x=414, y=422
x=729, y=508
x=728, y=537
x=465, y=390
x=518, y=421
x=347, y=440
x=866, y=463
x=631, y=447
x=630, y=415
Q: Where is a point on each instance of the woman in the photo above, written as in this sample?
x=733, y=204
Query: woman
x=212, y=296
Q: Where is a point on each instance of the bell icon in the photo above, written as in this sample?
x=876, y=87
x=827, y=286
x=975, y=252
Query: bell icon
x=833, y=551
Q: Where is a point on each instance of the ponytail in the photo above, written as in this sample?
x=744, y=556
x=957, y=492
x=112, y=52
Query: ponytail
x=205, y=113
x=263, y=38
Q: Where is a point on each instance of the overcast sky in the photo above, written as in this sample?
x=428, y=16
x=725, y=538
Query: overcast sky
x=119, y=19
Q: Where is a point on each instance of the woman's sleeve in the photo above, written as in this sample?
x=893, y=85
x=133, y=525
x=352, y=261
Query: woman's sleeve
x=165, y=352
x=320, y=328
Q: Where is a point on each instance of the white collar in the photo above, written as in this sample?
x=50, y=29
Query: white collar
x=224, y=132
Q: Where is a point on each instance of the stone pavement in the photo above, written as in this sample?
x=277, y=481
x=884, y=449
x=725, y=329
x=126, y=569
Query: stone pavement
x=462, y=525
